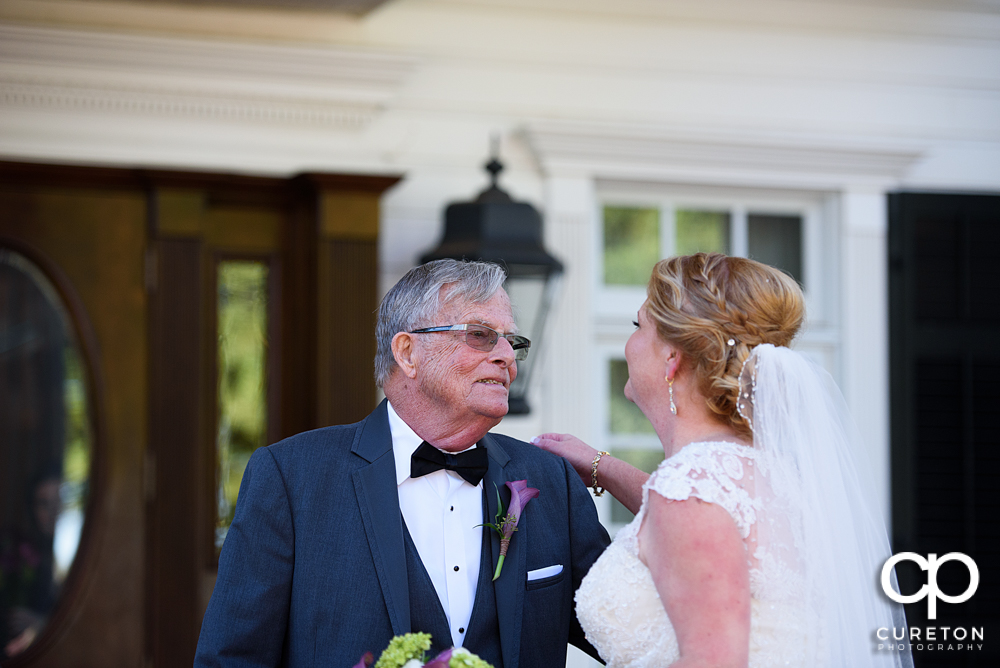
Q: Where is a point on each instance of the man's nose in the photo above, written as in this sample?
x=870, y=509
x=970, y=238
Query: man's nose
x=503, y=352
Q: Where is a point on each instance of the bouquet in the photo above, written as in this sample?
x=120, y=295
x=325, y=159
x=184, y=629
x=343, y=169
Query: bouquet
x=410, y=651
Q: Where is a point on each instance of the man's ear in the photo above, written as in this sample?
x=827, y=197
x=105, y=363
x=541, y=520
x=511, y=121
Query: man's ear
x=405, y=354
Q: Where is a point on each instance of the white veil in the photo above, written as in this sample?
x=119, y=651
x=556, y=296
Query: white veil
x=825, y=523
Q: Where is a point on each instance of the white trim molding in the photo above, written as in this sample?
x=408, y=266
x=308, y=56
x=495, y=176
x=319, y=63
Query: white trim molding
x=678, y=156
x=141, y=75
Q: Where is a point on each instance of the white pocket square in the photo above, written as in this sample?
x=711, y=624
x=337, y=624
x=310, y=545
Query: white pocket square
x=546, y=572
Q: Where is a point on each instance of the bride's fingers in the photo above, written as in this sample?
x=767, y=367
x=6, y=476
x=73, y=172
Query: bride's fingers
x=544, y=442
x=554, y=443
x=576, y=452
x=562, y=444
x=553, y=436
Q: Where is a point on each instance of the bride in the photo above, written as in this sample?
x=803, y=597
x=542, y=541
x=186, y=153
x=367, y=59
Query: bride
x=758, y=540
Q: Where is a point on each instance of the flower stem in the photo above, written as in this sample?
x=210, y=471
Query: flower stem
x=504, y=544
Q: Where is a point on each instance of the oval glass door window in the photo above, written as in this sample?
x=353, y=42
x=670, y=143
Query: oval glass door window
x=46, y=444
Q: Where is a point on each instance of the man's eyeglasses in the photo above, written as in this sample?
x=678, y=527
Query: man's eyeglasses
x=483, y=338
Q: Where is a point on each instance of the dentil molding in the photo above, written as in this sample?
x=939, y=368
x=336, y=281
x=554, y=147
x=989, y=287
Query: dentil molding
x=130, y=74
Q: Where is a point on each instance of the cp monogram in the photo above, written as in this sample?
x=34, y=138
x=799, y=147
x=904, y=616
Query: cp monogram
x=930, y=590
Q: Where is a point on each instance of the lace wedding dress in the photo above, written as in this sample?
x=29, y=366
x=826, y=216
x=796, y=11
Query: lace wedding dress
x=812, y=533
x=618, y=605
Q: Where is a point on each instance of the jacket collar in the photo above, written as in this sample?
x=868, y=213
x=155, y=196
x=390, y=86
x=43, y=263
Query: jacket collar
x=509, y=587
x=378, y=501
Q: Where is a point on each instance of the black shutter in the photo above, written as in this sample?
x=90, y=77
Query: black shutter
x=944, y=282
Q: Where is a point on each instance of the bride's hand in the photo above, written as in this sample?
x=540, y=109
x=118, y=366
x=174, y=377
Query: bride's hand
x=576, y=452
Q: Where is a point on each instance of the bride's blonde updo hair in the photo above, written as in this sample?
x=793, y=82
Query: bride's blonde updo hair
x=700, y=302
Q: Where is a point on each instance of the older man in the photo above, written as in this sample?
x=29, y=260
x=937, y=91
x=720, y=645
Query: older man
x=348, y=535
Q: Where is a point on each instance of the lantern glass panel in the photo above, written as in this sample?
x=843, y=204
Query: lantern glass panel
x=529, y=300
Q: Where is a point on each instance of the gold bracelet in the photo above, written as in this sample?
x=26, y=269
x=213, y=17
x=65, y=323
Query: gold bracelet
x=598, y=490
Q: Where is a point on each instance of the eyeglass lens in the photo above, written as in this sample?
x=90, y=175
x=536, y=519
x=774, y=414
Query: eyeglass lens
x=485, y=339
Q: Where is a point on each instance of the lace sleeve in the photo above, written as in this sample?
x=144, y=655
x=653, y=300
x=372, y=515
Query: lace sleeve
x=716, y=473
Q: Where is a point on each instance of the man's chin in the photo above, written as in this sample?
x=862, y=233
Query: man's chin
x=494, y=410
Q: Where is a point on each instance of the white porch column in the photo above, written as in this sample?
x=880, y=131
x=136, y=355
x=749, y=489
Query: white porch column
x=865, y=311
x=569, y=377
x=569, y=213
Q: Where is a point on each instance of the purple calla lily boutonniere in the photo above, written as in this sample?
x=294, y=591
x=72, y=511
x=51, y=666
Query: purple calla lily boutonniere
x=506, y=523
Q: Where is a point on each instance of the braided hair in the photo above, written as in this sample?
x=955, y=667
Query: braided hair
x=701, y=302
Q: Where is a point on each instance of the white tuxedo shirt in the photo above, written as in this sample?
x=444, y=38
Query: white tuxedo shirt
x=441, y=511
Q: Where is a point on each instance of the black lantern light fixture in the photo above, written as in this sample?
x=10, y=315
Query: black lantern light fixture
x=495, y=228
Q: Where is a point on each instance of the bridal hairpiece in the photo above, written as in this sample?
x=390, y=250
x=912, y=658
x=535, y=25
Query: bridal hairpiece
x=748, y=386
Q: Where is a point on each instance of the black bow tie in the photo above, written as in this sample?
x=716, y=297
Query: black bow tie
x=471, y=464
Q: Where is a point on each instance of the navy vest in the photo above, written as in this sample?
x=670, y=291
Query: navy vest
x=427, y=616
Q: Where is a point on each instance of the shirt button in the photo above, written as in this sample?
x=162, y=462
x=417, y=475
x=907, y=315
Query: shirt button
x=456, y=569
x=461, y=629
x=452, y=509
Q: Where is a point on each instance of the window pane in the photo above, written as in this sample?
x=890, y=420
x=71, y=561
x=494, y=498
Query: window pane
x=777, y=241
x=631, y=244
x=46, y=449
x=645, y=459
x=626, y=418
x=702, y=232
x=242, y=360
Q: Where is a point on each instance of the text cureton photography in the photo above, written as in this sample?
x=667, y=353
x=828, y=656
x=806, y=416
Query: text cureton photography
x=930, y=638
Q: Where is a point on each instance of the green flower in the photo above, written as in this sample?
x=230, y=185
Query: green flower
x=463, y=658
x=403, y=648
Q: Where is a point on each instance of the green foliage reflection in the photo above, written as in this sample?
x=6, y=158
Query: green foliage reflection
x=242, y=370
x=76, y=458
x=644, y=459
x=702, y=232
x=626, y=418
x=631, y=244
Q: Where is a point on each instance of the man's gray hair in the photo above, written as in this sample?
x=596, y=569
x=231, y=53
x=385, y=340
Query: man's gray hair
x=417, y=298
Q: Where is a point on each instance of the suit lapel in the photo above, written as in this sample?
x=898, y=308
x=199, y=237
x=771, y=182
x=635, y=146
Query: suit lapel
x=378, y=499
x=509, y=587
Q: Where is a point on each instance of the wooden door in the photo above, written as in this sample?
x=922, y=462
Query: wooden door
x=141, y=257
x=87, y=232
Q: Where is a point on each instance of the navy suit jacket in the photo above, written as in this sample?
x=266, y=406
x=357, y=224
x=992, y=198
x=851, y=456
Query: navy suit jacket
x=313, y=570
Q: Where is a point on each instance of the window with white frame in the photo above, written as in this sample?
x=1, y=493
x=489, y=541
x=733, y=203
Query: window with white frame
x=637, y=229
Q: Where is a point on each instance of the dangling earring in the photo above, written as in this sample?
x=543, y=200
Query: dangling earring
x=670, y=386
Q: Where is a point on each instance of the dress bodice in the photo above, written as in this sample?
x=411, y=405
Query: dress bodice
x=618, y=604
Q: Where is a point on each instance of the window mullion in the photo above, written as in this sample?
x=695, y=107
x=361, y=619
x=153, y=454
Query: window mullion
x=668, y=230
x=740, y=243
